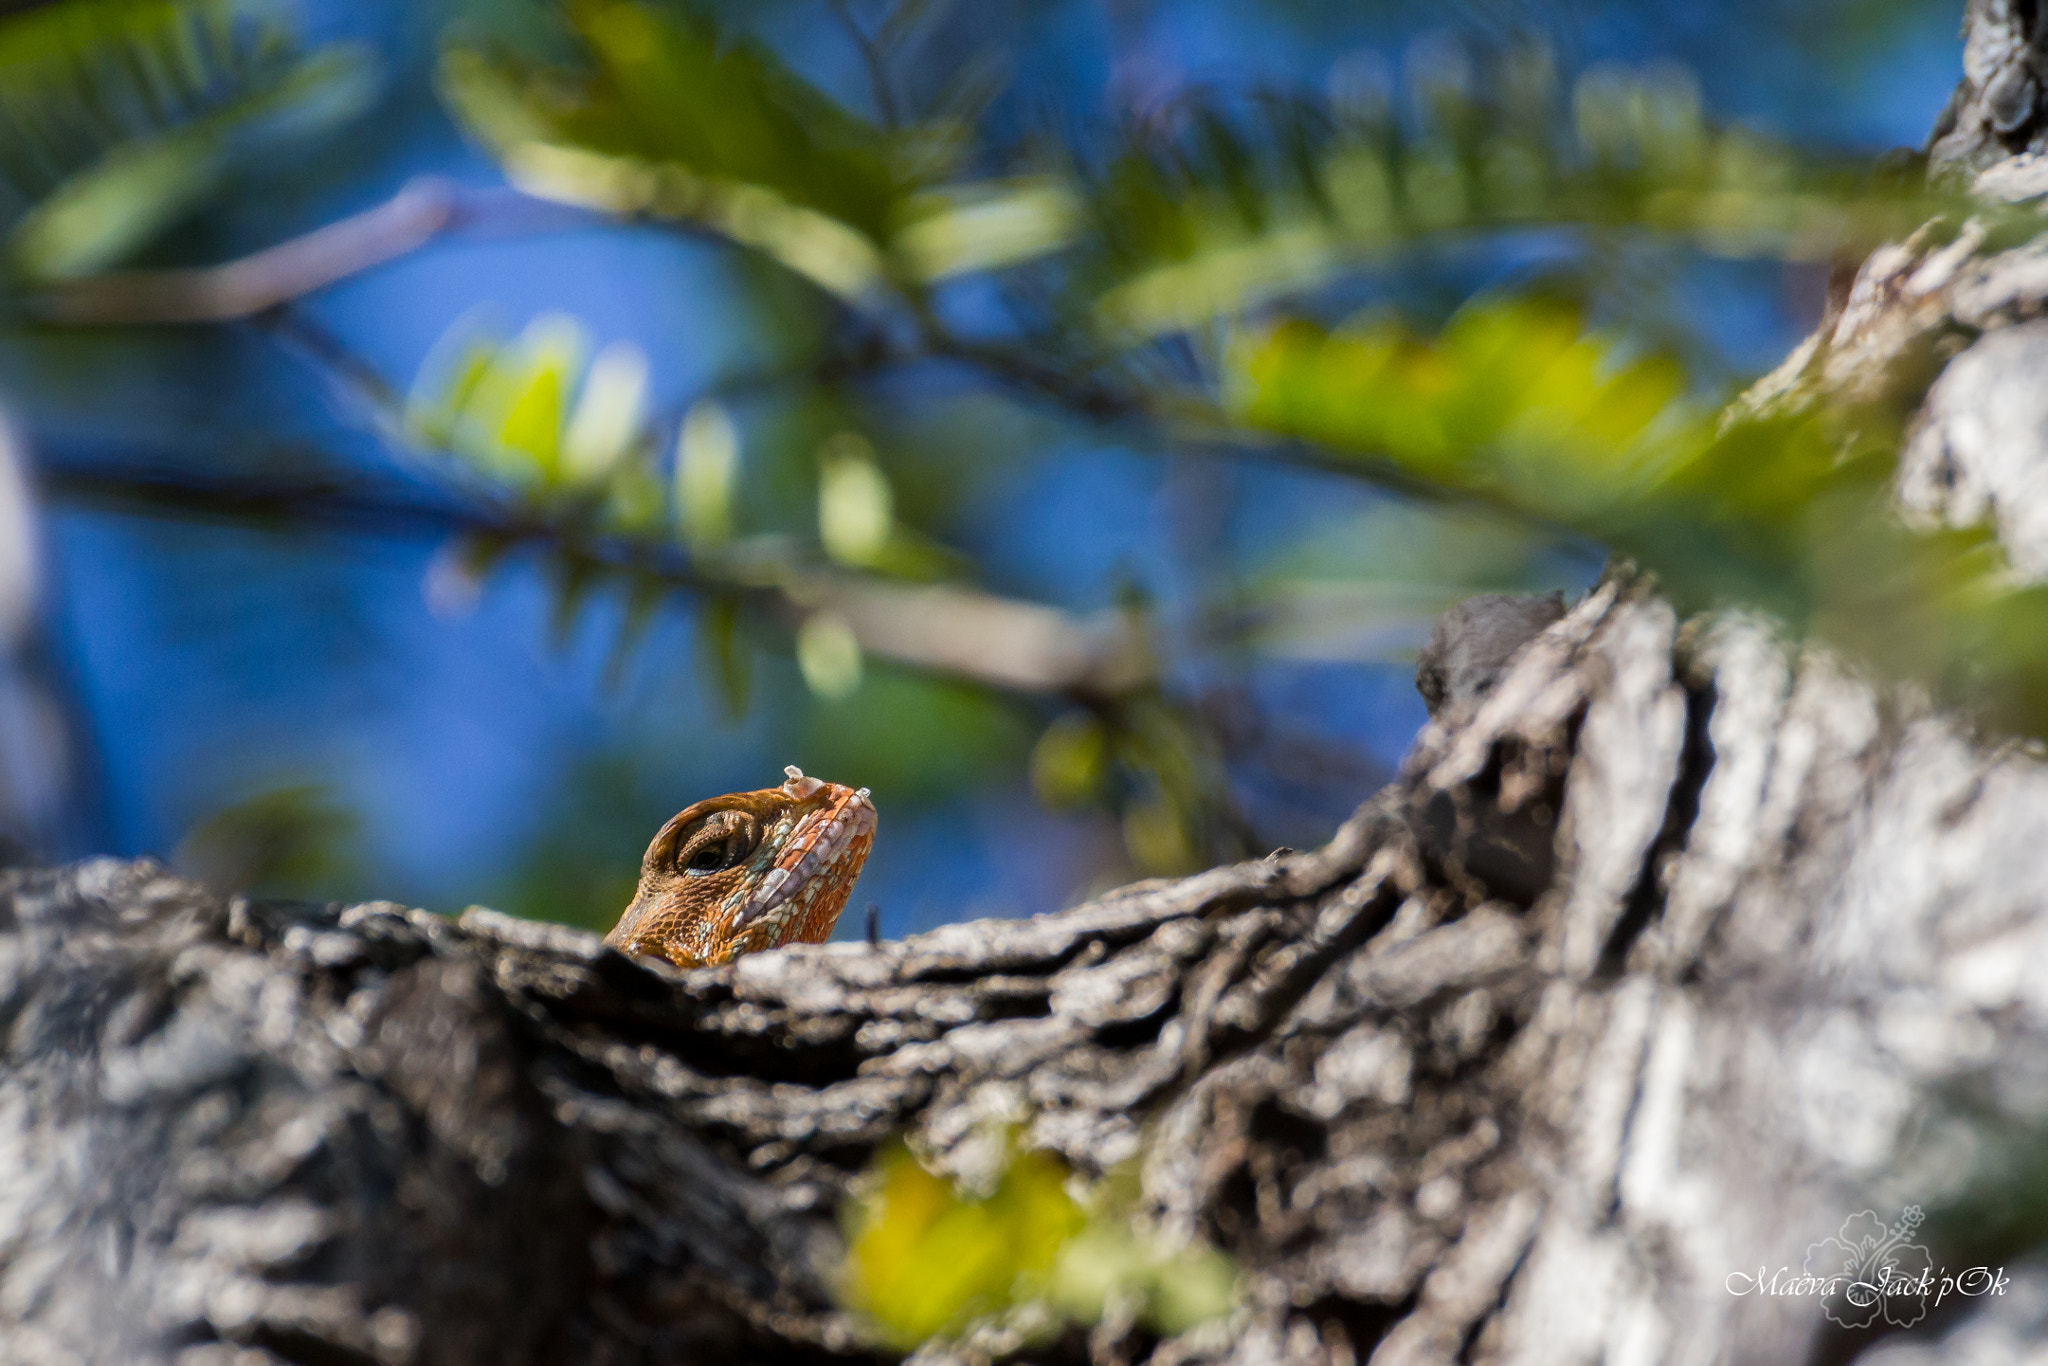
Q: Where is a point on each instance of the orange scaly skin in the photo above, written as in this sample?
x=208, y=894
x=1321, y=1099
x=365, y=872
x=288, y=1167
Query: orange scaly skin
x=749, y=871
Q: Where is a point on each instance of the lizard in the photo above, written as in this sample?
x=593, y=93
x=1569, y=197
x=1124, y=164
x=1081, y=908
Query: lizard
x=757, y=870
x=748, y=871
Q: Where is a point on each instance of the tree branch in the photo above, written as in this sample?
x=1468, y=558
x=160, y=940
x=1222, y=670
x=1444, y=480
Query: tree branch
x=997, y=642
x=425, y=209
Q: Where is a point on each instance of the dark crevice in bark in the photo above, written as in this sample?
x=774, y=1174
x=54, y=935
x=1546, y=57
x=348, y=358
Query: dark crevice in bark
x=1126, y=1035
x=1681, y=808
x=1098, y=941
x=1474, y=843
x=823, y=1055
x=303, y=1349
x=1225, y=1041
x=1028, y=1001
x=1362, y=1323
x=1468, y=1348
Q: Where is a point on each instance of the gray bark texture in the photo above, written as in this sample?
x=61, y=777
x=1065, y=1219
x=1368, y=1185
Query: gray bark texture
x=1676, y=945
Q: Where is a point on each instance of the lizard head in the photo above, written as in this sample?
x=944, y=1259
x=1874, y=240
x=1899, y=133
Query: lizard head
x=748, y=871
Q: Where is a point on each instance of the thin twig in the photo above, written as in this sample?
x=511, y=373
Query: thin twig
x=871, y=56
x=1002, y=643
x=260, y=286
x=427, y=208
x=254, y=284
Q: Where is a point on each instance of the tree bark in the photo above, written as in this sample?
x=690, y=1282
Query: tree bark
x=1670, y=951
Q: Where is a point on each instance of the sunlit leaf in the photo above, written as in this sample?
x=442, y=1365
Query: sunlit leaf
x=608, y=416
x=707, y=468
x=447, y=383
x=536, y=411
x=986, y=226
x=521, y=405
x=856, y=509
x=925, y=1260
x=1512, y=396
x=673, y=119
x=126, y=198
x=829, y=655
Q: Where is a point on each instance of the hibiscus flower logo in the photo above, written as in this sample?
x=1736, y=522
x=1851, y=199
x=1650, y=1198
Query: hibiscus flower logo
x=1873, y=1271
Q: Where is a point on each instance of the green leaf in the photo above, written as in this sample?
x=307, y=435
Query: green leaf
x=856, y=509
x=609, y=416
x=922, y=1260
x=122, y=202
x=1514, y=404
x=1070, y=762
x=447, y=384
x=707, y=472
x=672, y=119
x=1226, y=210
x=828, y=654
x=965, y=228
x=144, y=107
x=925, y=1260
x=507, y=406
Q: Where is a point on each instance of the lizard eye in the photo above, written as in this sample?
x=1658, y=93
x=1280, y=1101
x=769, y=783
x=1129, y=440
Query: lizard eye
x=709, y=858
x=723, y=842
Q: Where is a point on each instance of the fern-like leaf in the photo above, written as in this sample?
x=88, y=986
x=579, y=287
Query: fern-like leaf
x=119, y=117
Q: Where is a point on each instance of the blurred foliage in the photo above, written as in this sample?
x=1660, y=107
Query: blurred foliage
x=935, y=296
x=927, y=1260
x=119, y=117
x=1195, y=218
x=1516, y=404
x=539, y=414
x=1154, y=762
x=883, y=730
x=569, y=435
x=673, y=122
x=286, y=841
x=1208, y=211
x=1207, y=207
x=581, y=864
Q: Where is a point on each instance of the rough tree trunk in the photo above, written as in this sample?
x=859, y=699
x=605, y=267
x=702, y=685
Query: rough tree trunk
x=1681, y=947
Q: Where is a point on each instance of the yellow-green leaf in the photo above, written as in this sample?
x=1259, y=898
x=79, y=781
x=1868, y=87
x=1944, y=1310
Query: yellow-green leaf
x=828, y=654
x=856, y=509
x=707, y=469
